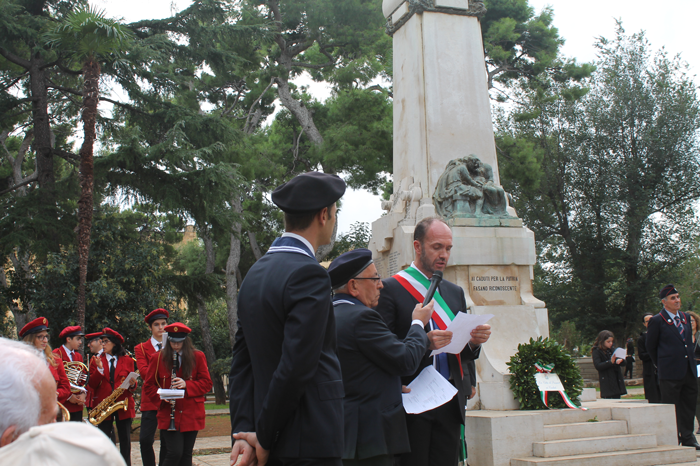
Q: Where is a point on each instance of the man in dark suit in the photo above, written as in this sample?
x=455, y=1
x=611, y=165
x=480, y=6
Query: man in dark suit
x=372, y=360
x=651, y=382
x=670, y=345
x=434, y=434
x=286, y=391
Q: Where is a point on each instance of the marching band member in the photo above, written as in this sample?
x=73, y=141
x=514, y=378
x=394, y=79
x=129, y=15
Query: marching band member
x=156, y=320
x=94, y=344
x=192, y=375
x=110, y=370
x=36, y=333
x=72, y=338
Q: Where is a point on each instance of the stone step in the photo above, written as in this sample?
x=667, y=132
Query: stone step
x=665, y=455
x=586, y=446
x=584, y=430
x=569, y=416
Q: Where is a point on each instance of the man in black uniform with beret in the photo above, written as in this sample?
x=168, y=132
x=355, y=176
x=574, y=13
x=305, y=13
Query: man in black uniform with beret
x=286, y=395
x=373, y=360
x=670, y=345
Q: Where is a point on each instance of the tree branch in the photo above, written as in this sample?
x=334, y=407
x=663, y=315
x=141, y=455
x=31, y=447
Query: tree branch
x=67, y=156
x=30, y=179
x=246, y=128
x=11, y=57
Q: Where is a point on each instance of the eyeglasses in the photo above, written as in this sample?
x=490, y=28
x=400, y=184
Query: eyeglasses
x=42, y=337
x=374, y=279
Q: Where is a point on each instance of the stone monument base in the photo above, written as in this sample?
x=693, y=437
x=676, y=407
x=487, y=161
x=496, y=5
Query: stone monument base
x=610, y=432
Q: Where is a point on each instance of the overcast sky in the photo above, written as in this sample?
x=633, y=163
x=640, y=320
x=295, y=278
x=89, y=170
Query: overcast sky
x=671, y=24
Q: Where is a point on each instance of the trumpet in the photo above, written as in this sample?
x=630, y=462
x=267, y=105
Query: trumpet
x=172, y=402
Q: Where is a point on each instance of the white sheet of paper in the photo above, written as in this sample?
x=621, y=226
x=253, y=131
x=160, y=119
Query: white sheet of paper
x=548, y=382
x=461, y=328
x=698, y=370
x=129, y=378
x=620, y=353
x=170, y=394
x=428, y=391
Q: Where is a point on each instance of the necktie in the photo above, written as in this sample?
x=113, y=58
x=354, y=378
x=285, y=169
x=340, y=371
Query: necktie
x=111, y=372
x=159, y=346
x=72, y=356
x=177, y=363
x=678, y=324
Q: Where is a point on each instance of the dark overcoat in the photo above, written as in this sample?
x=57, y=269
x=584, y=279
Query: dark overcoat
x=612, y=384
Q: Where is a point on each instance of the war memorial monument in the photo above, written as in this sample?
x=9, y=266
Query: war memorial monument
x=445, y=164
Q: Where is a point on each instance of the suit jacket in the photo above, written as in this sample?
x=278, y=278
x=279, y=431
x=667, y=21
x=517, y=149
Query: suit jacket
x=103, y=388
x=144, y=354
x=285, y=376
x=373, y=360
x=61, y=356
x=671, y=353
x=189, y=411
x=396, y=308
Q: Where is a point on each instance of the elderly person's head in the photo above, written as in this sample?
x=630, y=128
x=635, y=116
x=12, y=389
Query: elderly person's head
x=27, y=390
x=353, y=273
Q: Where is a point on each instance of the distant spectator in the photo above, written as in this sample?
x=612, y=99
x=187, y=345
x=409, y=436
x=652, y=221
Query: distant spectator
x=612, y=384
x=27, y=391
x=651, y=381
x=629, y=360
x=695, y=325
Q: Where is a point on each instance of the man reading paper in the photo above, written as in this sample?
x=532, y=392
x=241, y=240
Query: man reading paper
x=434, y=434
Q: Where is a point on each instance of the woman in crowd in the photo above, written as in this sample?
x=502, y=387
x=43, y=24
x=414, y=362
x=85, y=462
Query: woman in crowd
x=612, y=385
x=36, y=333
x=192, y=376
x=695, y=324
x=108, y=372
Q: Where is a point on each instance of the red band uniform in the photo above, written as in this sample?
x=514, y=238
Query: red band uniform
x=36, y=334
x=144, y=353
x=75, y=409
x=101, y=383
x=91, y=396
x=189, y=411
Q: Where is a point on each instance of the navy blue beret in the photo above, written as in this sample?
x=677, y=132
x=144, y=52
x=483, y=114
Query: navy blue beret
x=667, y=290
x=308, y=192
x=348, y=266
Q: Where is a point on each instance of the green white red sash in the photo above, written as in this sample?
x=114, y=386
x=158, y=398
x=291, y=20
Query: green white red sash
x=546, y=369
x=417, y=285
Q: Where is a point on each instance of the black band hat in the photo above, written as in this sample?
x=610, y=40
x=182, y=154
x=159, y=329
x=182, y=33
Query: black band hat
x=348, y=266
x=667, y=290
x=308, y=193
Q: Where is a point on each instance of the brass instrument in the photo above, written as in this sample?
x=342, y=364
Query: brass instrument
x=172, y=402
x=107, y=407
x=63, y=414
x=77, y=373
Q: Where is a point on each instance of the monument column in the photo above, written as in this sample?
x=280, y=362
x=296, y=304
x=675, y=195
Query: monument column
x=442, y=114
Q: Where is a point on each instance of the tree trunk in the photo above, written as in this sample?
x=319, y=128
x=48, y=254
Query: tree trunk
x=254, y=245
x=42, y=128
x=219, y=391
x=234, y=257
x=91, y=75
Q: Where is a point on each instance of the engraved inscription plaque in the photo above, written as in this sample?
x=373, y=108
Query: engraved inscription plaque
x=494, y=285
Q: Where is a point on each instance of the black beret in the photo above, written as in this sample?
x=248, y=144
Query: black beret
x=348, y=266
x=308, y=192
x=667, y=290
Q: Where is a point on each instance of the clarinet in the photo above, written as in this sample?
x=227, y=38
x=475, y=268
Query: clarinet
x=172, y=402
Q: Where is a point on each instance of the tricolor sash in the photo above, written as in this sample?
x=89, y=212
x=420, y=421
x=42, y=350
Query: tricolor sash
x=417, y=285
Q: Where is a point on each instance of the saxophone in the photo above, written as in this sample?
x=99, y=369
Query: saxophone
x=107, y=407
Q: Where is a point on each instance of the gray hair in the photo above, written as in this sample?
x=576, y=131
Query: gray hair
x=20, y=404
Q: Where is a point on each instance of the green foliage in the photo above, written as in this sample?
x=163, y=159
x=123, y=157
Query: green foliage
x=522, y=368
x=605, y=172
x=128, y=278
x=357, y=237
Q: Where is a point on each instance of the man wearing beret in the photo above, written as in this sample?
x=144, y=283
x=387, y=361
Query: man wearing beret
x=670, y=345
x=286, y=397
x=156, y=321
x=435, y=434
x=72, y=338
x=372, y=360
